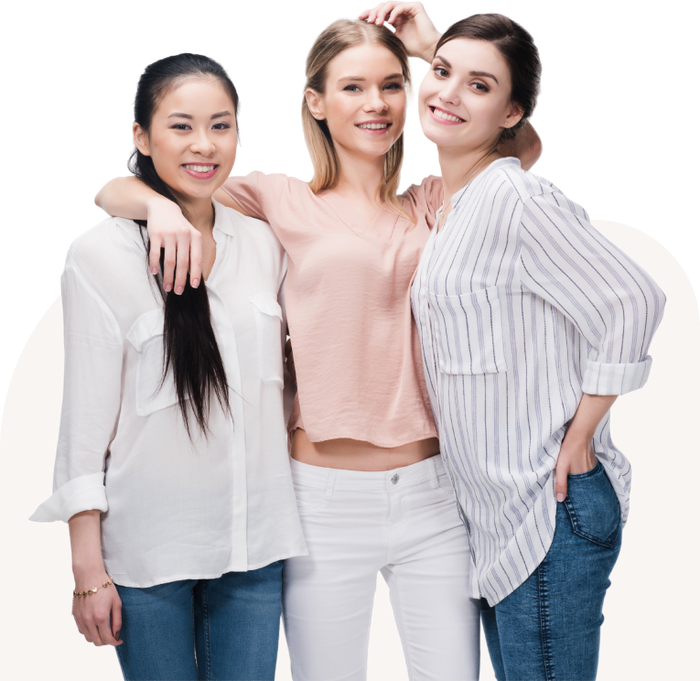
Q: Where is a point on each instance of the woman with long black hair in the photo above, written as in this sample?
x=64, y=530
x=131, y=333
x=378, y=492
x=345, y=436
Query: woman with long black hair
x=172, y=468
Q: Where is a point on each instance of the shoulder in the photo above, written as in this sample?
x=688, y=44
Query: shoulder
x=263, y=183
x=428, y=192
x=113, y=243
x=255, y=233
x=507, y=181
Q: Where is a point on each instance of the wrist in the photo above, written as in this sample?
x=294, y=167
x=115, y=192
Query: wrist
x=428, y=51
x=160, y=204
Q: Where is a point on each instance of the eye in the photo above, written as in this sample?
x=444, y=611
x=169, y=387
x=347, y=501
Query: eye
x=441, y=72
x=394, y=85
x=351, y=88
x=480, y=87
x=180, y=126
x=221, y=126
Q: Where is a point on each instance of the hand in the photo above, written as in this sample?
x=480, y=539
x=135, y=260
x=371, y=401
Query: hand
x=575, y=456
x=526, y=146
x=413, y=26
x=99, y=615
x=168, y=229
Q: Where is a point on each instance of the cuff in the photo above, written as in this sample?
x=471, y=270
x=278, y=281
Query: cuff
x=79, y=494
x=615, y=379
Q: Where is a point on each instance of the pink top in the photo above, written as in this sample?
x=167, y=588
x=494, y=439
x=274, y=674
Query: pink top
x=356, y=349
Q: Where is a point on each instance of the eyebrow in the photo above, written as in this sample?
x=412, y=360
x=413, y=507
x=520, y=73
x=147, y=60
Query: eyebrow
x=476, y=74
x=393, y=76
x=177, y=114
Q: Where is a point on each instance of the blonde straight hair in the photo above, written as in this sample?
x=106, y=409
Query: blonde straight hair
x=338, y=37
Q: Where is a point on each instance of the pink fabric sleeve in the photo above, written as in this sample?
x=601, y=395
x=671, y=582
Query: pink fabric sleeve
x=425, y=198
x=244, y=190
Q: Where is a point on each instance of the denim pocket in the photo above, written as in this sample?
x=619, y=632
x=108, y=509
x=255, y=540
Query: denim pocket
x=593, y=507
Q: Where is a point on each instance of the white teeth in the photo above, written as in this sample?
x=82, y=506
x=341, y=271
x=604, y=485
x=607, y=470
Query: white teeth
x=373, y=126
x=199, y=169
x=446, y=116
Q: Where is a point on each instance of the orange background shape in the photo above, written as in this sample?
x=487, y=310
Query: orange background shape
x=650, y=625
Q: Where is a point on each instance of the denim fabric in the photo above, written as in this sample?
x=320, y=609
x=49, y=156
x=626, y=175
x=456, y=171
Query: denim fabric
x=548, y=629
x=225, y=628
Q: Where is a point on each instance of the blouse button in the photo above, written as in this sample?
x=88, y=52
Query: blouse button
x=395, y=478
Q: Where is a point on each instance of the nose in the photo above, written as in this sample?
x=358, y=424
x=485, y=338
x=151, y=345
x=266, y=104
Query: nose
x=375, y=101
x=449, y=94
x=203, y=144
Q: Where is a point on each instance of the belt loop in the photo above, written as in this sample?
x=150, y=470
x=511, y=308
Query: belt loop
x=432, y=473
x=330, y=483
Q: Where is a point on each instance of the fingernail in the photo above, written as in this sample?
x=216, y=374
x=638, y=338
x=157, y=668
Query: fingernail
x=194, y=283
x=560, y=497
x=154, y=270
x=179, y=290
x=117, y=635
x=168, y=288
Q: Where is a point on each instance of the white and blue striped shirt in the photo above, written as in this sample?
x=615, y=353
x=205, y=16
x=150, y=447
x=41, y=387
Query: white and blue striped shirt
x=522, y=306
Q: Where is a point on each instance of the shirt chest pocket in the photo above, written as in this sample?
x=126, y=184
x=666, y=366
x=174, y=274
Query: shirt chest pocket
x=268, y=325
x=469, y=332
x=152, y=391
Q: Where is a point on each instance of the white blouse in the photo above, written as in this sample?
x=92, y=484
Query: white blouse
x=173, y=508
x=522, y=306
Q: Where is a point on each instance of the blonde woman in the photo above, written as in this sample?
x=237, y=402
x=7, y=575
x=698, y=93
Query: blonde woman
x=372, y=492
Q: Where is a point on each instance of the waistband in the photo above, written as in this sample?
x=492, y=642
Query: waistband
x=427, y=470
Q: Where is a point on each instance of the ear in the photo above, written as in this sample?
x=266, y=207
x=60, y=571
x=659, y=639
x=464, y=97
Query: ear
x=141, y=139
x=315, y=104
x=513, y=116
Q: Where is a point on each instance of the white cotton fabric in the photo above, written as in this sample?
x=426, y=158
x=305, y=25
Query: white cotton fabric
x=174, y=508
x=522, y=306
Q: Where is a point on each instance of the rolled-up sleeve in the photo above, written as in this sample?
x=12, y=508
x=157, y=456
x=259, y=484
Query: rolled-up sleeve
x=614, y=303
x=93, y=347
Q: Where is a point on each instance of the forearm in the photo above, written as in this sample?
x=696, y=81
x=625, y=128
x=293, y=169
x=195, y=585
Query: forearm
x=127, y=197
x=590, y=412
x=86, y=548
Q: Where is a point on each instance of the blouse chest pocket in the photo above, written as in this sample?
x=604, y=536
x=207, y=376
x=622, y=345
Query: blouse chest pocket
x=268, y=324
x=469, y=332
x=152, y=391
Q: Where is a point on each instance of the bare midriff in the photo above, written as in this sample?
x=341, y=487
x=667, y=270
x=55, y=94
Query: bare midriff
x=355, y=455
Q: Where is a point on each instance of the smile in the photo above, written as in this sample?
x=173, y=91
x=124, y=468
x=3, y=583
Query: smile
x=199, y=169
x=445, y=115
x=374, y=127
x=201, y=172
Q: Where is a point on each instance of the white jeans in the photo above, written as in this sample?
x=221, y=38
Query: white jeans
x=403, y=522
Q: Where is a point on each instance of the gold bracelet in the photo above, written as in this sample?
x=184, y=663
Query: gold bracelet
x=89, y=592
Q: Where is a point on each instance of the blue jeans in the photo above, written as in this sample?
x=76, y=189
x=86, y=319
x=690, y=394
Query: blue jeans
x=225, y=628
x=548, y=629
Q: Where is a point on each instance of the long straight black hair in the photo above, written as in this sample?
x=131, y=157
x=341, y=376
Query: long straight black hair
x=189, y=342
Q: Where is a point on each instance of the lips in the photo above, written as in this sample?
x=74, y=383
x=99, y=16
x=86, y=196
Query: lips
x=201, y=171
x=376, y=127
x=445, y=117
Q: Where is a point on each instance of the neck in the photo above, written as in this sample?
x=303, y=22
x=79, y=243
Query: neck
x=359, y=177
x=459, y=167
x=200, y=214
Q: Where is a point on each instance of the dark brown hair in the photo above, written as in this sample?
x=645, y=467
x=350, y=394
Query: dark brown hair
x=518, y=49
x=189, y=343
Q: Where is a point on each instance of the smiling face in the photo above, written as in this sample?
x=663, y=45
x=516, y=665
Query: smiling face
x=465, y=99
x=192, y=138
x=364, y=103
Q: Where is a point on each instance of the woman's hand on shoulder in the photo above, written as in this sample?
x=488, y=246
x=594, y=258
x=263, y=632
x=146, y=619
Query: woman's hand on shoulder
x=525, y=146
x=168, y=229
x=413, y=26
x=98, y=615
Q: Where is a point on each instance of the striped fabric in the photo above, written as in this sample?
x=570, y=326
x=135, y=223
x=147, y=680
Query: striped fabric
x=522, y=306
